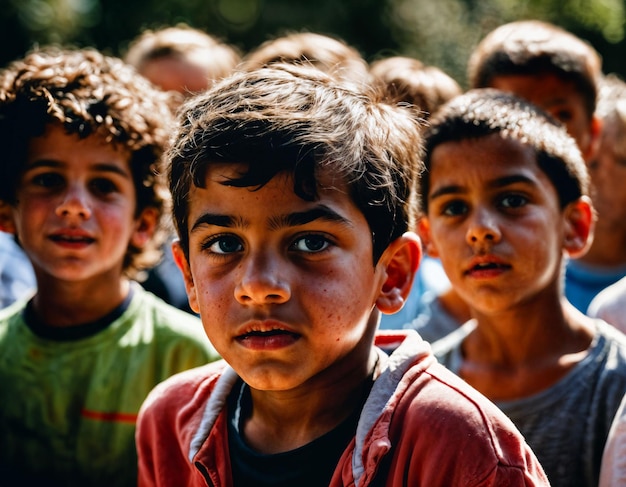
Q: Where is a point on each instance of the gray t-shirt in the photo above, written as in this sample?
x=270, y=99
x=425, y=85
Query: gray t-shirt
x=567, y=424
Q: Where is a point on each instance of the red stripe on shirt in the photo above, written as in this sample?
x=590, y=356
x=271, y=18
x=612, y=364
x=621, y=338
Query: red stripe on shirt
x=113, y=417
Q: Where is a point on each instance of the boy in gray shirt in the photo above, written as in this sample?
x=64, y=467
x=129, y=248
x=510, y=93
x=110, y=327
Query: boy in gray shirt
x=505, y=200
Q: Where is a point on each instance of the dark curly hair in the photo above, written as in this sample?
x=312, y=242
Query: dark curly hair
x=88, y=93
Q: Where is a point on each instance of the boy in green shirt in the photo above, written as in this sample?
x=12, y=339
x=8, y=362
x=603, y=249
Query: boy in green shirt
x=80, y=186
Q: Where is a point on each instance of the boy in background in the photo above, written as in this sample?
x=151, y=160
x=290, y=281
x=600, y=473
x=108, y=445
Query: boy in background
x=181, y=59
x=560, y=73
x=82, y=189
x=433, y=308
x=504, y=199
x=328, y=54
x=608, y=170
x=293, y=196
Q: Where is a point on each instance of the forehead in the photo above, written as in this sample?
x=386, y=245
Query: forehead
x=482, y=160
x=55, y=144
x=545, y=90
x=277, y=195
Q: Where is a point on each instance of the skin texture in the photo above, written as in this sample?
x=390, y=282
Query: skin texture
x=75, y=217
x=170, y=73
x=289, y=296
x=501, y=235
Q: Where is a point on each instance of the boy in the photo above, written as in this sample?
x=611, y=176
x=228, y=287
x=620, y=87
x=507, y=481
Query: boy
x=608, y=170
x=83, y=135
x=329, y=54
x=181, y=59
x=504, y=199
x=559, y=72
x=292, y=199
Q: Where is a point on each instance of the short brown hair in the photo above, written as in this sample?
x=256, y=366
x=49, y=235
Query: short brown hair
x=303, y=121
x=409, y=80
x=329, y=54
x=531, y=47
x=482, y=112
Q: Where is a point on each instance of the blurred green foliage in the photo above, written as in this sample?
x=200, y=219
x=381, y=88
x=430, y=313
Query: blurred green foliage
x=441, y=32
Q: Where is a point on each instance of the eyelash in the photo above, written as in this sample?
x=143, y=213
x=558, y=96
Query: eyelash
x=327, y=243
x=455, y=204
x=51, y=181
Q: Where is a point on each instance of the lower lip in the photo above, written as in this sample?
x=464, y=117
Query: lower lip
x=486, y=273
x=269, y=342
x=73, y=245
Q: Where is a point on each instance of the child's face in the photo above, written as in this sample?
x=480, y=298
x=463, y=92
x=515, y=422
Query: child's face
x=286, y=288
x=559, y=98
x=75, y=207
x=495, y=221
x=608, y=173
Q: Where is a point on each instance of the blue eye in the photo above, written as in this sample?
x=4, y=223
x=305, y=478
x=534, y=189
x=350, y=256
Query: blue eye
x=311, y=243
x=224, y=245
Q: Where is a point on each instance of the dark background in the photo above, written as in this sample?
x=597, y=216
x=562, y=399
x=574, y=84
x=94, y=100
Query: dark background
x=439, y=32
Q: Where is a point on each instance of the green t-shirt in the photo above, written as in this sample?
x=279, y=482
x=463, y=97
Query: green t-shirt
x=68, y=407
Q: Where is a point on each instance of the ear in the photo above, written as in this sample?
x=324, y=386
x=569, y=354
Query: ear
x=7, y=224
x=146, y=225
x=579, y=224
x=400, y=261
x=423, y=230
x=595, y=131
x=183, y=265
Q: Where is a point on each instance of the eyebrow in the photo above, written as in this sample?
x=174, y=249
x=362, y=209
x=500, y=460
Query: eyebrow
x=321, y=212
x=496, y=183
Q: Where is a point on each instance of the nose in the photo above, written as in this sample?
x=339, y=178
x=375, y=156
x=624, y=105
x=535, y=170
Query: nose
x=483, y=228
x=74, y=203
x=262, y=281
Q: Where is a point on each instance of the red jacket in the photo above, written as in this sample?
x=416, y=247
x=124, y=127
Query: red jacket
x=437, y=429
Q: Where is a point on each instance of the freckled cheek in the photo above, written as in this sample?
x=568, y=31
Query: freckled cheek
x=339, y=305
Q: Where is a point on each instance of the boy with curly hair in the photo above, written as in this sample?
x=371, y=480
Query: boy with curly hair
x=82, y=190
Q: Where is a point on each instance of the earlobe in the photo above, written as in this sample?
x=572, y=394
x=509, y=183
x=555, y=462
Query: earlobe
x=579, y=224
x=401, y=261
x=146, y=226
x=7, y=223
x=183, y=264
x=423, y=230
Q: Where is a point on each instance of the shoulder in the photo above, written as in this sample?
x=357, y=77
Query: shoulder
x=188, y=390
x=160, y=330
x=613, y=470
x=439, y=409
x=165, y=320
x=172, y=413
x=610, y=305
x=11, y=315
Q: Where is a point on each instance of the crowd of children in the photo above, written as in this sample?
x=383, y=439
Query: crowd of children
x=294, y=267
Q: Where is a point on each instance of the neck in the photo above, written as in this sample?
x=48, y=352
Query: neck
x=68, y=304
x=285, y=420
